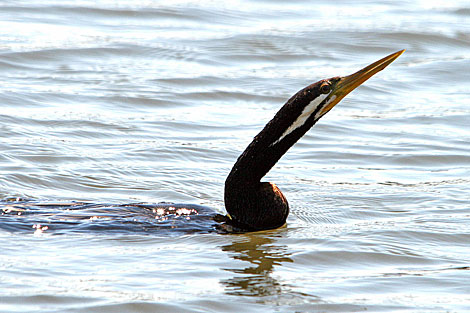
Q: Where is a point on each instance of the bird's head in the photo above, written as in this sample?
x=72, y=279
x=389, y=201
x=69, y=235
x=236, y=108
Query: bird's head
x=308, y=105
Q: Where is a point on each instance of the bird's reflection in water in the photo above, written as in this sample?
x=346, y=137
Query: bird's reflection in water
x=262, y=253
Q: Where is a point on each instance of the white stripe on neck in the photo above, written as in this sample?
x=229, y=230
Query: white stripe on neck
x=306, y=112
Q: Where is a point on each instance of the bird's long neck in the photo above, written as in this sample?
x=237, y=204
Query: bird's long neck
x=272, y=142
x=251, y=203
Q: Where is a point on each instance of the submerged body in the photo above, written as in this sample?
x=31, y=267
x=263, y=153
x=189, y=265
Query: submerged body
x=66, y=217
x=250, y=203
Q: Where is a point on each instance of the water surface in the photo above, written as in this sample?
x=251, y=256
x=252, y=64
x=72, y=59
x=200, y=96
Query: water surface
x=128, y=102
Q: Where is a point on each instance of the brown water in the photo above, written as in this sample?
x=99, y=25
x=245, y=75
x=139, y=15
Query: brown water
x=139, y=101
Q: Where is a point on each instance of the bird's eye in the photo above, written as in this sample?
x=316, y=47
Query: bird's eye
x=325, y=88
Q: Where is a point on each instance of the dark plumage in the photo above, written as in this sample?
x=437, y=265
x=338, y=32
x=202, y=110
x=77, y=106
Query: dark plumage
x=255, y=205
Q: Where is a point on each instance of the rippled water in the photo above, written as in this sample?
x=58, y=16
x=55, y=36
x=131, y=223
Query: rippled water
x=138, y=101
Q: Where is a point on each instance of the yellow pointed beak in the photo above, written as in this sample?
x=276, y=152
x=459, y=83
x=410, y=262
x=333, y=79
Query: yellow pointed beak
x=348, y=83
